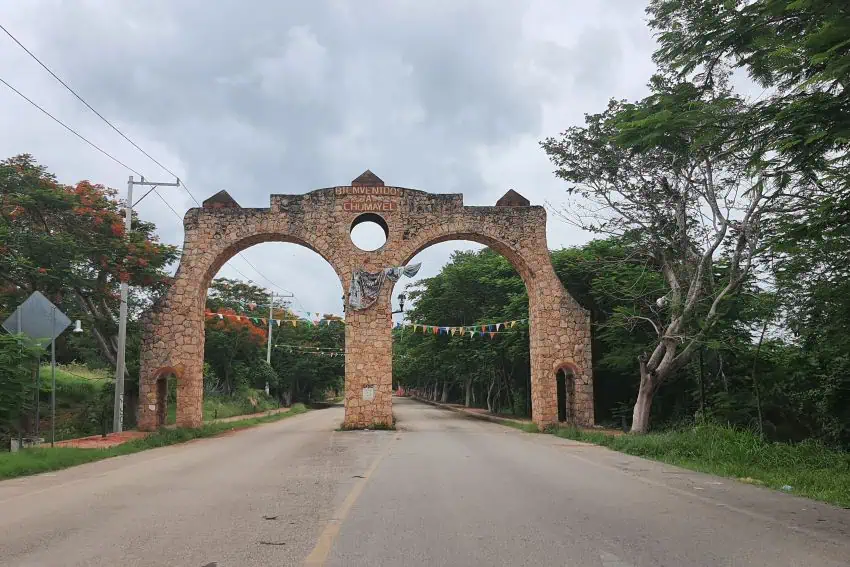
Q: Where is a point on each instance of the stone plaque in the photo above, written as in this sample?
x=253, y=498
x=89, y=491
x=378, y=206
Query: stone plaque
x=369, y=393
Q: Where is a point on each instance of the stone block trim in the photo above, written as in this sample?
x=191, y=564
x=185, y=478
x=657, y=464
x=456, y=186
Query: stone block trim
x=321, y=221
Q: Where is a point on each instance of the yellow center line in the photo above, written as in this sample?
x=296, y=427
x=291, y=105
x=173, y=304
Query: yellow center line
x=323, y=547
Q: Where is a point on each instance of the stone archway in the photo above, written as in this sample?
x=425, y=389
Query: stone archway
x=322, y=220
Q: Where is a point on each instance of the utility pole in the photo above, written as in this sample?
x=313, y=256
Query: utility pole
x=269, y=346
x=271, y=323
x=120, y=366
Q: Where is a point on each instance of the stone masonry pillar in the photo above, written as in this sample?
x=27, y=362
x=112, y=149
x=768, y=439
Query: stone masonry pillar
x=369, y=364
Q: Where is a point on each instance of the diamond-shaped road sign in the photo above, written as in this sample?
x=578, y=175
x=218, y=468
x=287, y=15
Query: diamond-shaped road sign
x=37, y=318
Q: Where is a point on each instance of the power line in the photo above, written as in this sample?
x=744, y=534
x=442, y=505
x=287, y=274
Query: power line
x=161, y=198
x=68, y=128
x=264, y=277
x=87, y=141
x=190, y=193
x=120, y=133
x=81, y=99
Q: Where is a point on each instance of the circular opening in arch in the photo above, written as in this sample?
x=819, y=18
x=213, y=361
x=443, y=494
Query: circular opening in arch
x=369, y=232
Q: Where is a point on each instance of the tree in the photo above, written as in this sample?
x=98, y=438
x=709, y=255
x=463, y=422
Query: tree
x=472, y=289
x=663, y=172
x=68, y=242
x=16, y=382
x=229, y=342
x=798, y=130
x=798, y=49
x=236, y=295
x=308, y=360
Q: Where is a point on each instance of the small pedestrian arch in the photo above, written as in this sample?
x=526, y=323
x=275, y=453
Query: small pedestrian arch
x=567, y=374
x=161, y=379
x=322, y=221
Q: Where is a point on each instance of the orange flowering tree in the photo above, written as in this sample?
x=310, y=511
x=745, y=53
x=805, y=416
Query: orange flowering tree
x=68, y=242
x=233, y=347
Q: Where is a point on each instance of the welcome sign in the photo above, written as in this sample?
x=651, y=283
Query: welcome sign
x=369, y=199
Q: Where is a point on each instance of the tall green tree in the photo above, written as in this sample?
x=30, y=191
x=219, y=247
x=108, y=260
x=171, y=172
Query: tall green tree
x=473, y=288
x=231, y=347
x=237, y=295
x=663, y=173
x=16, y=383
x=309, y=361
x=796, y=49
x=68, y=242
x=798, y=132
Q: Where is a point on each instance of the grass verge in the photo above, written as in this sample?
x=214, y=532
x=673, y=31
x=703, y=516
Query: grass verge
x=44, y=459
x=217, y=406
x=806, y=469
x=521, y=425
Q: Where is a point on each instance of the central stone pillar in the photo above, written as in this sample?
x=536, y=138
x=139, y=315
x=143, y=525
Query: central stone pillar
x=369, y=364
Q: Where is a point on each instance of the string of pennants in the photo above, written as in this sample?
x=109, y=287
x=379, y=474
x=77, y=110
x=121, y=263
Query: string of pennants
x=319, y=351
x=277, y=322
x=490, y=329
x=309, y=314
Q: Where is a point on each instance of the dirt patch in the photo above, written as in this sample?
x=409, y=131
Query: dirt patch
x=101, y=442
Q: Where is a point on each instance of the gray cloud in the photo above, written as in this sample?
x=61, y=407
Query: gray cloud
x=269, y=97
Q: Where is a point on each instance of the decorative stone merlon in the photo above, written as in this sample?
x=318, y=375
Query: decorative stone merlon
x=513, y=199
x=367, y=179
x=221, y=200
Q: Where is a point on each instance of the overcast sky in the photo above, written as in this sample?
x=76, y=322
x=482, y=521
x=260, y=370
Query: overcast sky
x=447, y=96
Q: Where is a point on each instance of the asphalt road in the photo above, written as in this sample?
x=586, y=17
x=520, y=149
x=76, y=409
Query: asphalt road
x=441, y=490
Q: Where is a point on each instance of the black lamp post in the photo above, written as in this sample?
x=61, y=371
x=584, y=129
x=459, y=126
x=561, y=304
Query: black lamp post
x=401, y=298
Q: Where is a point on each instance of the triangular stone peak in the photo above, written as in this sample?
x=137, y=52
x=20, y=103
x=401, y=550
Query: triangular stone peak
x=221, y=200
x=513, y=199
x=367, y=179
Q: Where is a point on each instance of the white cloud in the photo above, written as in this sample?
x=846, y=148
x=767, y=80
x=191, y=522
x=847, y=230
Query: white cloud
x=274, y=97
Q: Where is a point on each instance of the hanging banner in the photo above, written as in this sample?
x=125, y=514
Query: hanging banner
x=365, y=286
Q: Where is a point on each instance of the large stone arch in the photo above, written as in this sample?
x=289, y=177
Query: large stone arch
x=321, y=220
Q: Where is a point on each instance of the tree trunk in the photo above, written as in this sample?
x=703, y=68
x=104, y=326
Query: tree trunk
x=643, y=405
x=490, y=393
x=468, y=391
x=445, y=396
x=510, y=394
x=701, y=388
x=755, y=379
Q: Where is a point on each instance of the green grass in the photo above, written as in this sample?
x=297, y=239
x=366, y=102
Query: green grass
x=219, y=406
x=526, y=426
x=76, y=373
x=79, y=392
x=810, y=469
x=44, y=459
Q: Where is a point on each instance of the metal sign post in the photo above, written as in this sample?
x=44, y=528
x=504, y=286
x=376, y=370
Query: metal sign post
x=41, y=321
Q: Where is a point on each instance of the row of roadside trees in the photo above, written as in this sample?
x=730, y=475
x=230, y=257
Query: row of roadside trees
x=719, y=283
x=68, y=242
